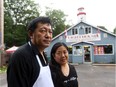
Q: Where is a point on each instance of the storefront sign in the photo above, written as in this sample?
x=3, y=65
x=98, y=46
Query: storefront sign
x=84, y=37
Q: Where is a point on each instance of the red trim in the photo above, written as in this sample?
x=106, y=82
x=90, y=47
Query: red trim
x=80, y=13
x=10, y=51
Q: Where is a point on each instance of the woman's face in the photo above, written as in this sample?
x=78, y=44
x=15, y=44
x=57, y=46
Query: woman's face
x=61, y=55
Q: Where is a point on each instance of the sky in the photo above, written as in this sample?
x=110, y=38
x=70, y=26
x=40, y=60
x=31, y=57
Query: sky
x=98, y=12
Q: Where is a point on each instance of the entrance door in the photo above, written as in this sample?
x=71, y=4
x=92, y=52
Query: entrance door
x=87, y=53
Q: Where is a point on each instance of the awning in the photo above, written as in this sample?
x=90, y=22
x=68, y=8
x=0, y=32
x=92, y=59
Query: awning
x=12, y=49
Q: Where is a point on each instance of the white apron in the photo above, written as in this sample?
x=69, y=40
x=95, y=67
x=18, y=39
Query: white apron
x=44, y=79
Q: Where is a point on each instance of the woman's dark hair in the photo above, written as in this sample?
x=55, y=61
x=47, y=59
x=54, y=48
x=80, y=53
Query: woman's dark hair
x=53, y=51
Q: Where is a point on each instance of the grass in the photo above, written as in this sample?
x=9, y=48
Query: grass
x=3, y=69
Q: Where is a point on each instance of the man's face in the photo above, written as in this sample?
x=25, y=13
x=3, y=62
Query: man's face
x=42, y=35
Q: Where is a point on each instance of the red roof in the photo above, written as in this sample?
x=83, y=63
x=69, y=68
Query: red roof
x=80, y=13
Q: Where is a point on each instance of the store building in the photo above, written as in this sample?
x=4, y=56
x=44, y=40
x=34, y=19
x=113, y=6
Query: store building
x=87, y=43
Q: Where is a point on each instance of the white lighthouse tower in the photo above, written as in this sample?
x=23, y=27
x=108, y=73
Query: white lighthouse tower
x=81, y=14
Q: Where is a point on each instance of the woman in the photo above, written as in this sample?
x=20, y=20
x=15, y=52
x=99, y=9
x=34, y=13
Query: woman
x=63, y=74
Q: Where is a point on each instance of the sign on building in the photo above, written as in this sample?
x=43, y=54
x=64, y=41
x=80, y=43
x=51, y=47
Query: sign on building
x=84, y=37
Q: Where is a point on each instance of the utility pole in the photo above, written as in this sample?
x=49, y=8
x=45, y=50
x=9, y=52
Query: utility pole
x=1, y=28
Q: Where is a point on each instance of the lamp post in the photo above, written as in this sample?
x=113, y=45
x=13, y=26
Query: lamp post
x=1, y=27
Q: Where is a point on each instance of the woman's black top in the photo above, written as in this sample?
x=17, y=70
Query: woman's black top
x=64, y=81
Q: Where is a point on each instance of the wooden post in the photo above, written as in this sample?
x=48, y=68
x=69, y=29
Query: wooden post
x=1, y=28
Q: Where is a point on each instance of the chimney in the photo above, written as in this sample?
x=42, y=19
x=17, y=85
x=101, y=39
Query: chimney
x=81, y=14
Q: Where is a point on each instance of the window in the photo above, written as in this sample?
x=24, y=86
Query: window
x=88, y=30
x=103, y=49
x=60, y=38
x=70, y=49
x=74, y=31
x=105, y=35
x=78, y=50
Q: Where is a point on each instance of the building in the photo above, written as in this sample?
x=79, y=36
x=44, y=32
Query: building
x=87, y=43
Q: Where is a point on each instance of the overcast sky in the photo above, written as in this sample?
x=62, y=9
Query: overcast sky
x=98, y=12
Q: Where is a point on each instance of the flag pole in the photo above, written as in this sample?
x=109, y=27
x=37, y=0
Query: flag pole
x=65, y=32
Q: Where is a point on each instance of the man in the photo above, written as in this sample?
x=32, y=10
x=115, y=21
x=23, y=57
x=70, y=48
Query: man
x=28, y=65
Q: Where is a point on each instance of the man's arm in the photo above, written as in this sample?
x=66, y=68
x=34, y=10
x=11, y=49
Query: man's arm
x=16, y=72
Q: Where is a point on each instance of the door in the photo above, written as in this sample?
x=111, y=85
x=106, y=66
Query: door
x=87, y=53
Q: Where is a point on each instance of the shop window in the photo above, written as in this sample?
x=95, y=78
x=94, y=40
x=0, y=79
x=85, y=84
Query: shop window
x=70, y=49
x=88, y=30
x=103, y=49
x=78, y=50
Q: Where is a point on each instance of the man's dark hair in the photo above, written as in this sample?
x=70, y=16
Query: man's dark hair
x=33, y=24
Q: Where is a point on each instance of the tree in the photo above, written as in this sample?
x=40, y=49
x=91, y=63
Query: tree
x=17, y=15
x=58, y=20
x=102, y=27
x=114, y=31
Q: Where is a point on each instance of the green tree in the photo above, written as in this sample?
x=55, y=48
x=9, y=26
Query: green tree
x=17, y=14
x=102, y=27
x=58, y=20
x=114, y=31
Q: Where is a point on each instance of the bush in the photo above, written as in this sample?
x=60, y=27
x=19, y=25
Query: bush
x=3, y=69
